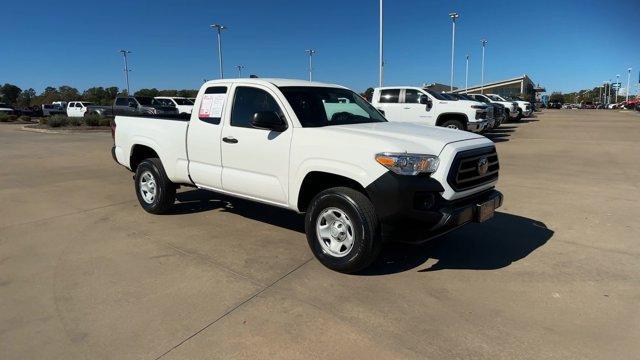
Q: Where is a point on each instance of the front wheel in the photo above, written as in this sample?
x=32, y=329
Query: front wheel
x=520, y=116
x=343, y=230
x=156, y=193
x=453, y=124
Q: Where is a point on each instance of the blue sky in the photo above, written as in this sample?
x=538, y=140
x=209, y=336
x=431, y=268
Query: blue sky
x=563, y=45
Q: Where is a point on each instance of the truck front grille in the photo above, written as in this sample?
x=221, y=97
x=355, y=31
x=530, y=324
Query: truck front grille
x=465, y=172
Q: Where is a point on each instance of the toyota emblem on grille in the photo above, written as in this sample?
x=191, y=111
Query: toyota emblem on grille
x=483, y=165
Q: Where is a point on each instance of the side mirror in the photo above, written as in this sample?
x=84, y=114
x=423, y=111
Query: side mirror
x=268, y=120
x=424, y=100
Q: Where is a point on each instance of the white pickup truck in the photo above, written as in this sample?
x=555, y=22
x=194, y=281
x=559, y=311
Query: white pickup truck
x=524, y=107
x=418, y=105
x=318, y=149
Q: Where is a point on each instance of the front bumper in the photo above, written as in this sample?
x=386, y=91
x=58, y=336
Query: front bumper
x=477, y=126
x=411, y=208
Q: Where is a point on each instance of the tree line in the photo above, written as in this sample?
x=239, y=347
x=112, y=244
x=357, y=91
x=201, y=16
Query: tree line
x=576, y=97
x=19, y=98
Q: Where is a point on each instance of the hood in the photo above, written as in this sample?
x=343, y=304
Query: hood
x=402, y=136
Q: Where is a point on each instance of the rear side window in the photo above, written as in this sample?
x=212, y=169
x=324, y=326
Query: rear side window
x=122, y=101
x=390, y=96
x=248, y=101
x=212, y=104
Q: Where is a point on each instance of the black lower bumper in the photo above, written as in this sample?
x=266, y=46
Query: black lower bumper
x=411, y=208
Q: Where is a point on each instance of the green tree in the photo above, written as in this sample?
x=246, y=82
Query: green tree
x=25, y=98
x=147, y=92
x=9, y=93
x=68, y=93
x=557, y=96
x=187, y=93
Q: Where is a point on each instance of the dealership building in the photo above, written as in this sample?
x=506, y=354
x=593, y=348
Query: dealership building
x=510, y=87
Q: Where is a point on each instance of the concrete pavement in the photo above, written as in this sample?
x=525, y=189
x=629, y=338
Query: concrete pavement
x=85, y=273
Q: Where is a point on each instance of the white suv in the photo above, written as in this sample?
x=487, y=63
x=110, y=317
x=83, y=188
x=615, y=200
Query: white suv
x=418, y=105
x=524, y=107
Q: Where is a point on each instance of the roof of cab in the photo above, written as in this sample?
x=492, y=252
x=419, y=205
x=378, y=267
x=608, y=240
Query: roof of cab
x=274, y=81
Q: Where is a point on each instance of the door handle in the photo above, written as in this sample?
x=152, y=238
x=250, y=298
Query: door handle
x=230, y=140
x=407, y=108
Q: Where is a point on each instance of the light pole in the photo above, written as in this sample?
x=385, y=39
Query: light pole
x=617, y=86
x=310, y=52
x=126, y=68
x=219, y=29
x=609, y=91
x=381, y=60
x=600, y=93
x=628, y=82
x=239, y=67
x=466, y=76
x=484, y=43
x=453, y=17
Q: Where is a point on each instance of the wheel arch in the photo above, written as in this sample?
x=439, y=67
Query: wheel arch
x=316, y=181
x=452, y=116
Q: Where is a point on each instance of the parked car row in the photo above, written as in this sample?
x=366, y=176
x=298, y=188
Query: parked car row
x=323, y=150
x=471, y=112
x=131, y=105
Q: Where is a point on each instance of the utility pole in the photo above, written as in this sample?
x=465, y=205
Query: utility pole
x=310, y=52
x=453, y=17
x=219, y=29
x=381, y=46
x=239, y=67
x=599, y=94
x=484, y=43
x=126, y=69
x=466, y=76
x=628, y=82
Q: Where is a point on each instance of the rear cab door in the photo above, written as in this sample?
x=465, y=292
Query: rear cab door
x=204, y=135
x=389, y=102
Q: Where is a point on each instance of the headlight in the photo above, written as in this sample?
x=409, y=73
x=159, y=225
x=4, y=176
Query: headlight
x=408, y=164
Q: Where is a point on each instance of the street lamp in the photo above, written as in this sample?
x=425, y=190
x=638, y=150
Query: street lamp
x=239, y=67
x=466, y=76
x=219, y=28
x=126, y=69
x=381, y=61
x=484, y=43
x=617, y=86
x=453, y=17
x=628, y=80
x=310, y=52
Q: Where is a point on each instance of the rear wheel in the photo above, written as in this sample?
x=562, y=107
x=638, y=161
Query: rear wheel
x=453, y=124
x=155, y=192
x=520, y=116
x=343, y=230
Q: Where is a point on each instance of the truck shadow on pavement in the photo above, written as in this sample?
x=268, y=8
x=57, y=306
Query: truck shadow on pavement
x=495, y=244
x=492, y=245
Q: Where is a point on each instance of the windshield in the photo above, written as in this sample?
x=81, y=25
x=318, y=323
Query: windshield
x=495, y=98
x=323, y=106
x=143, y=100
x=87, y=103
x=180, y=101
x=436, y=95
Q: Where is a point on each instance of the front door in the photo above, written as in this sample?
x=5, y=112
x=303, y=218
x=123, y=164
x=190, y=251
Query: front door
x=255, y=161
x=419, y=113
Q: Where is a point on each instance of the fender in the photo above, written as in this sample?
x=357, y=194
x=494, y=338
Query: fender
x=452, y=113
x=336, y=167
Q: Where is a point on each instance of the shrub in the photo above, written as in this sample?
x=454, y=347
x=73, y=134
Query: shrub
x=58, y=121
x=105, y=122
x=92, y=120
x=13, y=118
x=74, y=121
x=43, y=121
x=25, y=118
x=4, y=118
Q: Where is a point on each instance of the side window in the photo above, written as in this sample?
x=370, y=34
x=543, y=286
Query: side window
x=121, y=101
x=212, y=104
x=390, y=96
x=412, y=96
x=248, y=101
x=79, y=105
x=72, y=104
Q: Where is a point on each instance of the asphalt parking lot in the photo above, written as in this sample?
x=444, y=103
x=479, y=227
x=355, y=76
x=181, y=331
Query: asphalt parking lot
x=85, y=273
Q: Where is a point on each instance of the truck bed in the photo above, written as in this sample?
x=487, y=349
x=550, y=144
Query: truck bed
x=165, y=135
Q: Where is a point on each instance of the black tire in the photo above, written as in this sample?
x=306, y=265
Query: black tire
x=165, y=190
x=453, y=123
x=367, y=239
